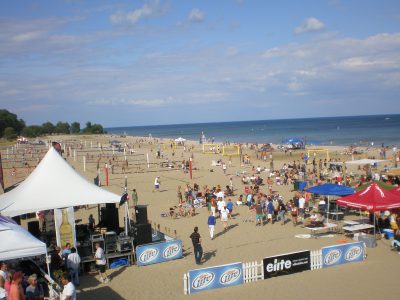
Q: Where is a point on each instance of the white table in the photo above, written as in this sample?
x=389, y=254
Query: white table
x=329, y=227
x=355, y=222
x=357, y=228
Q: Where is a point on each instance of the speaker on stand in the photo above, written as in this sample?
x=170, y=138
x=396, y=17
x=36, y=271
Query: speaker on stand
x=143, y=234
x=109, y=217
x=141, y=214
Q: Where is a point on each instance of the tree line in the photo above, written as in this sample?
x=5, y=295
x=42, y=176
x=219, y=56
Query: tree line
x=11, y=127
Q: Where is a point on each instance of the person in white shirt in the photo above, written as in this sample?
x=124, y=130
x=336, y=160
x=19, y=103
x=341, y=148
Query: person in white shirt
x=101, y=263
x=302, y=202
x=68, y=292
x=73, y=262
x=157, y=184
x=220, y=205
x=4, y=270
x=3, y=292
x=224, y=217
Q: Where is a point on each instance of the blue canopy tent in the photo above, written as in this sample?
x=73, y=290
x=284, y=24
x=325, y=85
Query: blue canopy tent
x=293, y=140
x=330, y=189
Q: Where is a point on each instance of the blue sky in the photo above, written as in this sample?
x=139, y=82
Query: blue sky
x=126, y=63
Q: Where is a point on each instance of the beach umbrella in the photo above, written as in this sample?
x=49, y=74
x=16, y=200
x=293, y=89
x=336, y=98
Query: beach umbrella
x=373, y=198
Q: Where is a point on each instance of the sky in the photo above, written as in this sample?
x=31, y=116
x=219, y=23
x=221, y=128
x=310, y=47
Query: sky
x=129, y=63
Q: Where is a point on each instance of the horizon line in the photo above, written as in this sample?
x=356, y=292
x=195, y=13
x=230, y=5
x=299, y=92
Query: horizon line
x=245, y=121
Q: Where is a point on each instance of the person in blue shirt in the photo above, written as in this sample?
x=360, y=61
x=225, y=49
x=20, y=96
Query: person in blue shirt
x=211, y=224
x=270, y=210
x=229, y=206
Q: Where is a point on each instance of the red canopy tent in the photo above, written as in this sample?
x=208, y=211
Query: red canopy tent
x=396, y=191
x=373, y=198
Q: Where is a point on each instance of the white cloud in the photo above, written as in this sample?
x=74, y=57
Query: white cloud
x=149, y=9
x=196, y=15
x=310, y=25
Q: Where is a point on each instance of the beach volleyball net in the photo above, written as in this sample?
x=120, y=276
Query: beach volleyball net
x=317, y=151
x=231, y=150
x=211, y=148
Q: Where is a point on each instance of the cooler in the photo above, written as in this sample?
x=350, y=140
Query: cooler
x=388, y=233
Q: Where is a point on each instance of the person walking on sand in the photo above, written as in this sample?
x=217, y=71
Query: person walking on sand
x=196, y=241
x=224, y=217
x=101, y=263
x=134, y=197
x=211, y=224
x=157, y=184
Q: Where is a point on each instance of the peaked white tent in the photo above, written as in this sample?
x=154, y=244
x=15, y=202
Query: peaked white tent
x=17, y=242
x=53, y=184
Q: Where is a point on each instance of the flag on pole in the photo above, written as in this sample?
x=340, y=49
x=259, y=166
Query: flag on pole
x=124, y=198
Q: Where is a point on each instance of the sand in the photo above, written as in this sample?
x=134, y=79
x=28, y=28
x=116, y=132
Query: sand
x=244, y=242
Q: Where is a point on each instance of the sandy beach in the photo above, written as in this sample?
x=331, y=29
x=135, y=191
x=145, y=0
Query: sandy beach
x=243, y=242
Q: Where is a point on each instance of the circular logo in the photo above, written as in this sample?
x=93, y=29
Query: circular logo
x=203, y=280
x=171, y=251
x=230, y=276
x=332, y=257
x=353, y=253
x=148, y=255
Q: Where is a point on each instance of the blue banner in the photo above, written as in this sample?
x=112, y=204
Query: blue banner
x=215, y=277
x=158, y=252
x=342, y=254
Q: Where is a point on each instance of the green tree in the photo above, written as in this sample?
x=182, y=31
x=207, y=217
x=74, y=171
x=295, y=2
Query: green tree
x=75, y=127
x=32, y=131
x=8, y=119
x=48, y=128
x=97, y=129
x=62, y=128
x=10, y=133
x=93, y=128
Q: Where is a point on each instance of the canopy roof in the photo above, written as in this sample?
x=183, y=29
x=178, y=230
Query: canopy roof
x=364, y=161
x=293, y=140
x=17, y=242
x=373, y=198
x=331, y=189
x=180, y=140
x=53, y=184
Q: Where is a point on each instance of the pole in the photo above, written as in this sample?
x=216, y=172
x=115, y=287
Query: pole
x=148, y=161
x=125, y=153
x=74, y=155
x=126, y=208
x=84, y=163
x=106, y=170
x=190, y=168
x=327, y=215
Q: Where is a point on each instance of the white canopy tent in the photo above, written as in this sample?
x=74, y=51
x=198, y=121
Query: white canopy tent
x=53, y=184
x=17, y=242
x=364, y=161
x=180, y=140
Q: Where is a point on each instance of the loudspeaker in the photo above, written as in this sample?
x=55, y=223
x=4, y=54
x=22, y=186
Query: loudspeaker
x=143, y=234
x=109, y=217
x=85, y=251
x=33, y=228
x=141, y=214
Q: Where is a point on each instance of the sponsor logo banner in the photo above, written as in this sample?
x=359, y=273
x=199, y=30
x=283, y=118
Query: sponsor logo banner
x=342, y=254
x=158, y=252
x=286, y=264
x=215, y=277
